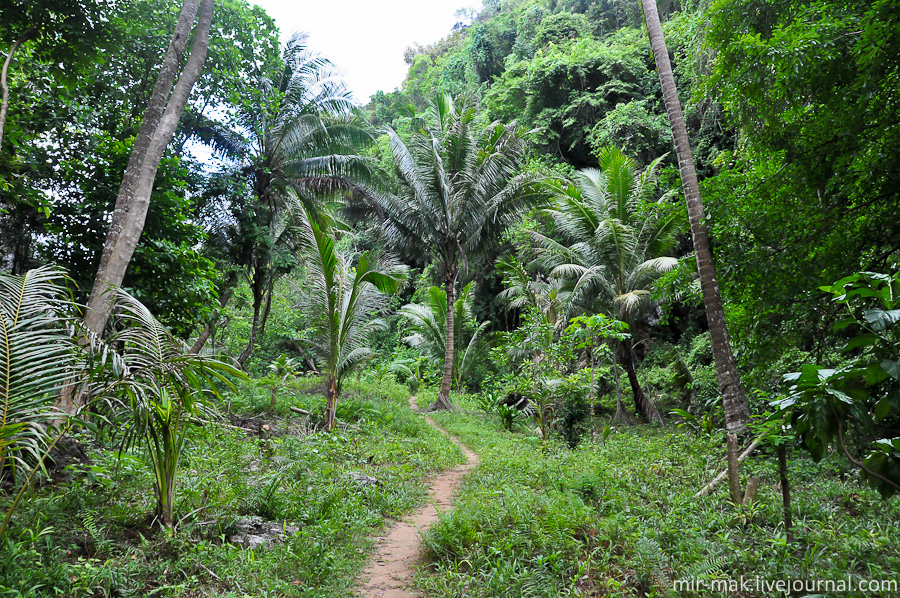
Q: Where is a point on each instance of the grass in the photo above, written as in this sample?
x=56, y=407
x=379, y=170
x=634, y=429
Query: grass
x=92, y=535
x=615, y=517
x=618, y=518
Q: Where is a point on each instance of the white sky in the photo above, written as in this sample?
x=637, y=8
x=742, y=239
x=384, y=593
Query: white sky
x=366, y=38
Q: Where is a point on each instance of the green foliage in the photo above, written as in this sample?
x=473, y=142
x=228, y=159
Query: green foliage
x=460, y=187
x=704, y=423
x=634, y=129
x=560, y=28
x=812, y=89
x=145, y=375
x=508, y=415
x=620, y=519
x=862, y=395
x=79, y=87
x=346, y=300
x=566, y=90
x=164, y=390
x=37, y=357
x=293, y=140
x=100, y=542
x=428, y=324
x=573, y=412
x=615, y=237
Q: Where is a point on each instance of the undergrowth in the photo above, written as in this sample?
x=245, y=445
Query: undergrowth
x=92, y=536
x=618, y=518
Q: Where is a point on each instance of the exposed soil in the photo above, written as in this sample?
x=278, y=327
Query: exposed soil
x=390, y=572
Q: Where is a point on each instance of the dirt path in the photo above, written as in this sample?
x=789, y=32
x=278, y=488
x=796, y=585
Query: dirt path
x=390, y=572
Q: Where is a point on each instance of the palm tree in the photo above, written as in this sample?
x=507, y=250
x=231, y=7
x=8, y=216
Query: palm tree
x=734, y=401
x=147, y=377
x=428, y=322
x=297, y=135
x=615, y=244
x=548, y=296
x=160, y=390
x=345, y=298
x=460, y=188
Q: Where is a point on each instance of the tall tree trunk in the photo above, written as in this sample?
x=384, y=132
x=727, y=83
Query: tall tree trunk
x=156, y=132
x=621, y=413
x=4, y=84
x=268, y=308
x=737, y=409
x=227, y=292
x=443, y=398
x=258, y=286
x=642, y=404
x=785, y=492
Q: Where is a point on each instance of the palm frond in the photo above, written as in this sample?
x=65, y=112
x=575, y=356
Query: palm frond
x=37, y=358
x=614, y=238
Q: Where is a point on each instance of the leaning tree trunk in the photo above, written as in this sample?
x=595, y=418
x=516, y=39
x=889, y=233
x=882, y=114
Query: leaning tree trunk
x=268, y=308
x=643, y=405
x=158, y=127
x=621, y=413
x=254, y=328
x=443, y=399
x=208, y=329
x=737, y=409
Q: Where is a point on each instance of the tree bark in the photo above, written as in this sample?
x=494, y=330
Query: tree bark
x=642, y=404
x=737, y=408
x=156, y=132
x=443, y=399
x=331, y=404
x=4, y=84
x=734, y=480
x=245, y=355
x=785, y=493
x=716, y=480
x=750, y=490
x=621, y=413
x=258, y=287
x=268, y=308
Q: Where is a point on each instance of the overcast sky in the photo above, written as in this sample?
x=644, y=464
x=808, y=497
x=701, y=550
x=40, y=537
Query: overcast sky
x=366, y=38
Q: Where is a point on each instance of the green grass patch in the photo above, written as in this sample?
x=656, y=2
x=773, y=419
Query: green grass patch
x=619, y=519
x=92, y=535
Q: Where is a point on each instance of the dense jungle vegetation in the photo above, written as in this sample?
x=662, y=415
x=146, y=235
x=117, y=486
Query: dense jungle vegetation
x=222, y=281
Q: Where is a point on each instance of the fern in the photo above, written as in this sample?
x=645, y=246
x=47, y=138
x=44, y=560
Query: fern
x=710, y=567
x=654, y=564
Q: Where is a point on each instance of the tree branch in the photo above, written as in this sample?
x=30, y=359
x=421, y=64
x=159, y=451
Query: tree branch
x=715, y=482
x=3, y=79
x=859, y=463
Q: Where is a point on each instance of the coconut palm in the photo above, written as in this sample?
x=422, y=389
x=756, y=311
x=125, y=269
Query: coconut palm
x=548, y=296
x=615, y=241
x=460, y=188
x=734, y=400
x=297, y=134
x=158, y=390
x=345, y=298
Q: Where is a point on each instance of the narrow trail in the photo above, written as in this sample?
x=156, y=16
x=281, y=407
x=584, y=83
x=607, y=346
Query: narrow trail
x=390, y=572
